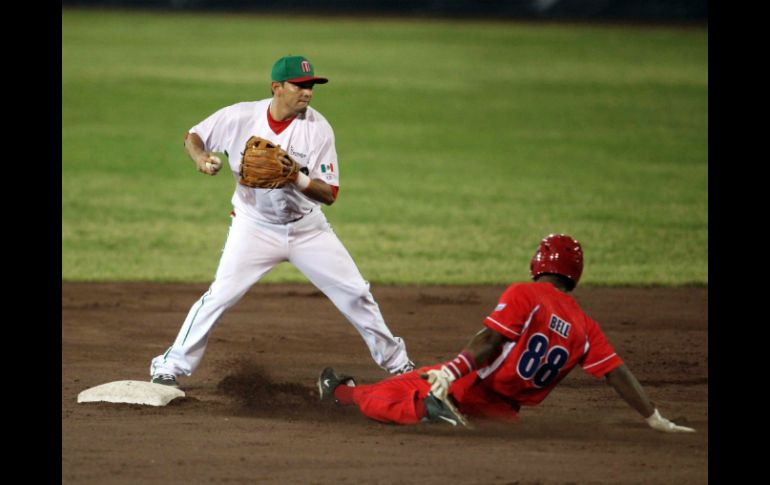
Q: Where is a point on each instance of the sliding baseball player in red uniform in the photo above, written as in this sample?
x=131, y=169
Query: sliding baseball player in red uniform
x=533, y=338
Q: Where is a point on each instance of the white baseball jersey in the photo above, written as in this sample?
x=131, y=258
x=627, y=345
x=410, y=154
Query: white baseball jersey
x=309, y=139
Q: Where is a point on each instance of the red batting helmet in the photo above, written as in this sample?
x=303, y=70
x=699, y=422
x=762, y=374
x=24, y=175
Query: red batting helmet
x=558, y=254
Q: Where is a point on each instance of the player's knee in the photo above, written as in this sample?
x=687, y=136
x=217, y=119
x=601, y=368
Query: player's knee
x=351, y=298
x=365, y=300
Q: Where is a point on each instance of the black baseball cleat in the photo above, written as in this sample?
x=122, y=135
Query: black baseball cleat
x=442, y=411
x=408, y=367
x=329, y=380
x=165, y=379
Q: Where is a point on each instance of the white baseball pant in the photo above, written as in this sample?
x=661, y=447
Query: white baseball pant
x=254, y=248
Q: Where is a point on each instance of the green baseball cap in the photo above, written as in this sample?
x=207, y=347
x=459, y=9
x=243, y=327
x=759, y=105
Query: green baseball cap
x=295, y=69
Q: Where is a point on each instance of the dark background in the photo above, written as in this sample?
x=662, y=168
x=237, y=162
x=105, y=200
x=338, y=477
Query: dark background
x=633, y=10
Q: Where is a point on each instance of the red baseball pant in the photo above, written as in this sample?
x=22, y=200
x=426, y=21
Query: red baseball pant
x=399, y=399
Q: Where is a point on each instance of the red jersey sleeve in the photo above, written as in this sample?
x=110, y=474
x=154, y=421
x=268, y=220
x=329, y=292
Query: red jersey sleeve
x=599, y=357
x=513, y=313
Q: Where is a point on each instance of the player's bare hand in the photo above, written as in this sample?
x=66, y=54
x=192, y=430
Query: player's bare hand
x=440, y=380
x=209, y=165
x=658, y=422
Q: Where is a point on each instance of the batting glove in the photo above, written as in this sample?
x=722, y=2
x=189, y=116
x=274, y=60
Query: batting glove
x=656, y=421
x=440, y=380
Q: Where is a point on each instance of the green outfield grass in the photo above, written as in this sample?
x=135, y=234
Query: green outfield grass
x=461, y=144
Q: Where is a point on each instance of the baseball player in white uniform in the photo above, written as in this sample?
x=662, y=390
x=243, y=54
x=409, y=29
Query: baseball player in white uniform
x=270, y=226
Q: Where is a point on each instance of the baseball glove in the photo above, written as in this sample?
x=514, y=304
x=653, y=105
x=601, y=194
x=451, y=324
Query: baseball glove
x=266, y=166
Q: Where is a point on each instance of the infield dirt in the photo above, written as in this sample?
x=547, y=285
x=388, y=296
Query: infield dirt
x=252, y=413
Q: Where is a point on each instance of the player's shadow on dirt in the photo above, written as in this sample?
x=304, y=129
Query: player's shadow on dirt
x=254, y=393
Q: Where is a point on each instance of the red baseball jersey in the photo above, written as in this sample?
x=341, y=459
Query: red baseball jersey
x=549, y=335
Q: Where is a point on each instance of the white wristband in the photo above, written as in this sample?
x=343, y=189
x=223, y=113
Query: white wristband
x=653, y=418
x=302, y=182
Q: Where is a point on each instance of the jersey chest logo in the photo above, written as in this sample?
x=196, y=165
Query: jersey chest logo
x=294, y=153
x=560, y=326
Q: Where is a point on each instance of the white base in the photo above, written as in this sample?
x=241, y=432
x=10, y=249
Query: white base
x=131, y=392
